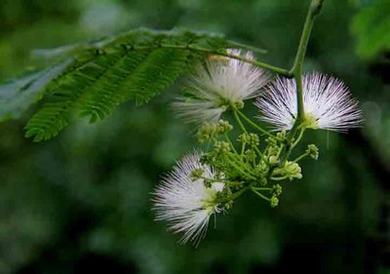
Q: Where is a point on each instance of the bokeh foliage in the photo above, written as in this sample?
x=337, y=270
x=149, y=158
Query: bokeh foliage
x=81, y=203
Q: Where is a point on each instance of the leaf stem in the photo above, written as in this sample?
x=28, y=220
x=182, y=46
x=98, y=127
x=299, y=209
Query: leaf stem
x=221, y=52
x=247, y=47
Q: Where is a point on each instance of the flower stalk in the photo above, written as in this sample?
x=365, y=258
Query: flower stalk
x=297, y=68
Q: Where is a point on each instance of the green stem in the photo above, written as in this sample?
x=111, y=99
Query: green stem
x=298, y=138
x=296, y=69
x=267, y=66
x=243, y=146
x=235, y=111
x=262, y=188
x=232, y=183
x=237, y=194
x=300, y=157
x=234, y=195
x=241, y=167
x=260, y=153
x=249, y=121
x=279, y=178
x=230, y=142
x=260, y=194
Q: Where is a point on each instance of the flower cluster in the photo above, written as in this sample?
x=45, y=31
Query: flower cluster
x=256, y=159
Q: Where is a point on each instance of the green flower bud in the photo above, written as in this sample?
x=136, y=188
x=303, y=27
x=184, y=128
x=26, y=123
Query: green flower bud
x=273, y=150
x=222, y=147
x=243, y=138
x=274, y=201
x=292, y=170
x=250, y=155
x=271, y=141
x=273, y=160
x=277, y=190
x=239, y=104
x=313, y=151
x=250, y=139
x=262, y=167
x=254, y=140
x=263, y=181
x=206, y=132
x=223, y=126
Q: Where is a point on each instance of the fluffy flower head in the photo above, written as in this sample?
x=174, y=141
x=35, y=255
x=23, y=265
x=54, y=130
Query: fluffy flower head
x=218, y=84
x=187, y=202
x=328, y=104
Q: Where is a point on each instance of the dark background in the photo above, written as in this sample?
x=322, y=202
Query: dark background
x=81, y=203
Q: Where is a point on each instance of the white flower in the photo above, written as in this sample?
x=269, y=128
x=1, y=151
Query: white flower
x=187, y=203
x=328, y=104
x=217, y=85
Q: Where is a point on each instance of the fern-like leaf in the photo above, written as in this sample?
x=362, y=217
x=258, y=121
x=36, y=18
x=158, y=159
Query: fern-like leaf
x=97, y=77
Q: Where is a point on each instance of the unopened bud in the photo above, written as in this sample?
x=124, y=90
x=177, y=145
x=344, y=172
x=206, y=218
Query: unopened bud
x=277, y=189
x=273, y=160
x=312, y=151
x=223, y=126
x=274, y=201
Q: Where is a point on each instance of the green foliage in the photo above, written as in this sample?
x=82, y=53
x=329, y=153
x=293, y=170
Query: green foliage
x=94, y=78
x=372, y=28
x=88, y=191
x=16, y=96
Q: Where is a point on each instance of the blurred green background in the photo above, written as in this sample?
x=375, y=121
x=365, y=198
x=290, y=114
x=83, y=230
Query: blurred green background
x=81, y=202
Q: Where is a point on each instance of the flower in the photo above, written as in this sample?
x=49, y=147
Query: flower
x=328, y=104
x=185, y=200
x=219, y=84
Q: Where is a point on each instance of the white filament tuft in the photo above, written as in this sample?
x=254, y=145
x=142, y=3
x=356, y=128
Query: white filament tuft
x=327, y=102
x=217, y=85
x=187, y=204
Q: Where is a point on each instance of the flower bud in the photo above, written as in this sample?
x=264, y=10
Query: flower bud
x=254, y=140
x=274, y=201
x=250, y=155
x=223, y=127
x=222, y=147
x=277, y=189
x=312, y=151
x=239, y=104
x=273, y=160
x=281, y=135
x=206, y=132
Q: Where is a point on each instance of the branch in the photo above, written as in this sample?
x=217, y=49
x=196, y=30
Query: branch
x=296, y=70
x=275, y=69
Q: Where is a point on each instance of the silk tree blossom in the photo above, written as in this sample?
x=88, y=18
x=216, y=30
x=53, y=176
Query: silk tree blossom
x=187, y=203
x=219, y=84
x=328, y=104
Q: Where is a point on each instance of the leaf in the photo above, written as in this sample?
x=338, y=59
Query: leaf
x=18, y=95
x=103, y=74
